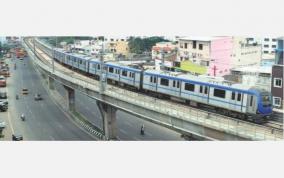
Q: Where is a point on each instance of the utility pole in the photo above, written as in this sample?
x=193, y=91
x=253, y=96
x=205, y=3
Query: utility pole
x=102, y=72
x=163, y=59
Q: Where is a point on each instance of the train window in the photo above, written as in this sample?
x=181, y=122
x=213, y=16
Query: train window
x=189, y=87
x=151, y=79
x=239, y=96
x=206, y=90
x=251, y=99
x=117, y=71
x=80, y=61
x=200, y=89
x=178, y=83
x=219, y=93
x=174, y=83
x=124, y=73
x=99, y=67
x=110, y=69
x=164, y=82
x=233, y=95
x=155, y=79
x=132, y=75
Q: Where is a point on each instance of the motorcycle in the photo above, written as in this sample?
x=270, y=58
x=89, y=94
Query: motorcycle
x=23, y=117
x=142, y=130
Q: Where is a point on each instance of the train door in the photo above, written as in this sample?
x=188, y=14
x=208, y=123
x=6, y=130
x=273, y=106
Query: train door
x=251, y=104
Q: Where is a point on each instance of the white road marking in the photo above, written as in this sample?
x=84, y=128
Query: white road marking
x=10, y=122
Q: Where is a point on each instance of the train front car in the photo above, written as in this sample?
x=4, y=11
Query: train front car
x=264, y=105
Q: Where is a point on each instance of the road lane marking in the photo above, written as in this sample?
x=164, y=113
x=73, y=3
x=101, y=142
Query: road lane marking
x=10, y=122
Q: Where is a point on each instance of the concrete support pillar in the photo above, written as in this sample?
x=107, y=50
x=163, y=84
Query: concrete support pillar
x=50, y=83
x=108, y=114
x=70, y=98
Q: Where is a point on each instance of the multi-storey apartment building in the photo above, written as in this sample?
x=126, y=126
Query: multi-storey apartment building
x=164, y=53
x=213, y=53
x=268, y=44
x=277, y=76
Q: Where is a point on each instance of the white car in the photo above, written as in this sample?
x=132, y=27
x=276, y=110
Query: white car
x=2, y=124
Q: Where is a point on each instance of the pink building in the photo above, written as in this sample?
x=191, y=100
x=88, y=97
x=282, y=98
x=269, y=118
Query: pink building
x=212, y=53
x=221, y=56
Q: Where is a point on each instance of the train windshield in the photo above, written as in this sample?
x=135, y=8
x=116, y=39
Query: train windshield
x=266, y=100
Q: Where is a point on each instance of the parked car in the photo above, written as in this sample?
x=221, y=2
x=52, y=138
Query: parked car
x=17, y=137
x=2, y=81
x=2, y=124
x=3, y=93
x=3, y=106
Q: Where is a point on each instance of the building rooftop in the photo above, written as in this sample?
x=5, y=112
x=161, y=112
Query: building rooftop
x=254, y=69
x=200, y=38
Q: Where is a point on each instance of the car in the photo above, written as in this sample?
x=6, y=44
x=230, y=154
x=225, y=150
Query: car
x=2, y=81
x=37, y=97
x=17, y=137
x=2, y=124
x=25, y=91
x=3, y=107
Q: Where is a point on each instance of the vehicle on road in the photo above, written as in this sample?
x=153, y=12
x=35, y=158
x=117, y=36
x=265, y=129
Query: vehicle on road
x=2, y=81
x=3, y=93
x=17, y=137
x=23, y=117
x=38, y=97
x=2, y=124
x=25, y=91
x=3, y=106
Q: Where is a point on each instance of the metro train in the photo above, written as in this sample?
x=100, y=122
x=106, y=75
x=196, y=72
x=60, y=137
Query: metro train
x=235, y=100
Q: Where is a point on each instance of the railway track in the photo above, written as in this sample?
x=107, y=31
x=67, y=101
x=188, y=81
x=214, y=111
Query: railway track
x=270, y=124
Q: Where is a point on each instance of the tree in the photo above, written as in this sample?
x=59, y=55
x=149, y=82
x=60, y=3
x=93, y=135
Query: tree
x=139, y=45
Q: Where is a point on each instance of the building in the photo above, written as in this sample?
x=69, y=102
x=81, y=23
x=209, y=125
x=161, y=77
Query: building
x=245, y=54
x=277, y=76
x=259, y=76
x=3, y=39
x=122, y=48
x=268, y=44
x=164, y=54
x=208, y=55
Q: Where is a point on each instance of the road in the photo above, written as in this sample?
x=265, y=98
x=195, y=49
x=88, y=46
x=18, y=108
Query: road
x=128, y=126
x=44, y=119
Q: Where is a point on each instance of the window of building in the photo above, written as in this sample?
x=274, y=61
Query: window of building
x=200, y=46
x=278, y=82
x=233, y=95
x=265, y=52
x=273, y=39
x=181, y=58
x=124, y=73
x=189, y=87
x=219, y=93
x=200, y=89
x=181, y=46
x=194, y=44
x=164, y=82
x=266, y=46
x=273, y=46
x=185, y=45
x=110, y=69
x=206, y=90
x=276, y=101
x=266, y=39
x=239, y=96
